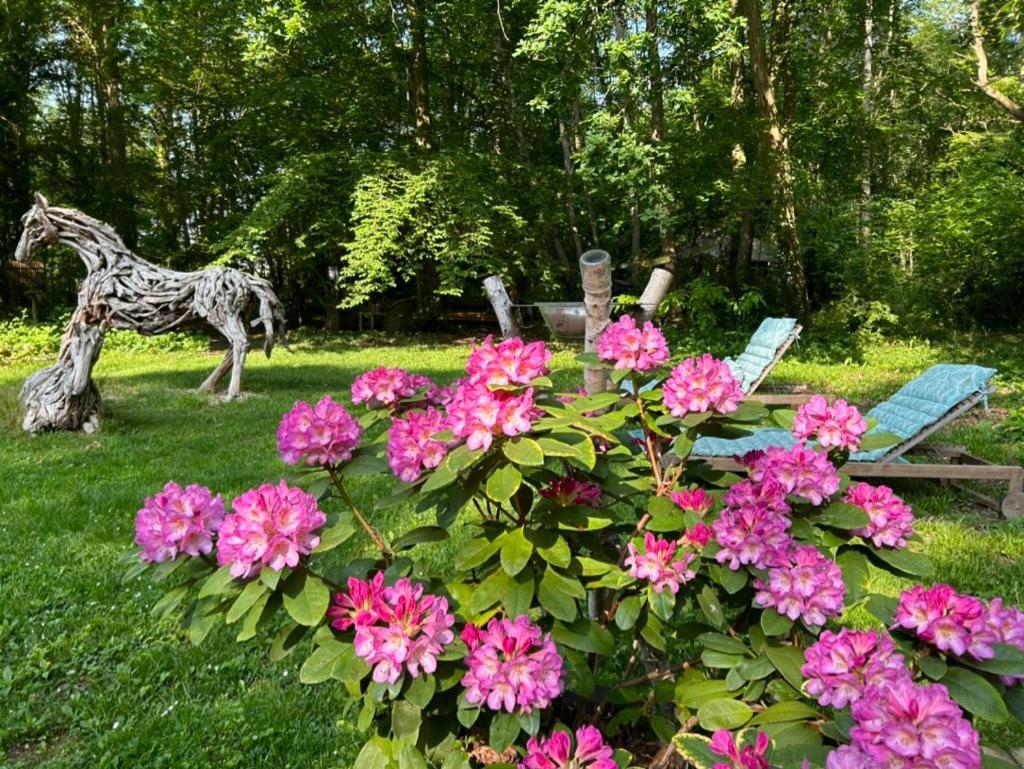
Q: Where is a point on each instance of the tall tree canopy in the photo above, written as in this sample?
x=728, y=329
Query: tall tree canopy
x=839, y=154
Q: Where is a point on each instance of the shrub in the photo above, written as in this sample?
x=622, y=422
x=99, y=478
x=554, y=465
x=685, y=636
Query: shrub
x=617, y=598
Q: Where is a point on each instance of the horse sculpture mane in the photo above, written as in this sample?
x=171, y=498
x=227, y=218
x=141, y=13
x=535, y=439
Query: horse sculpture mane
x=122, y=290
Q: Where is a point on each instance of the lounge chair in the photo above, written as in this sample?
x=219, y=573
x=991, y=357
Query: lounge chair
x=765, y=348
x=919, y=409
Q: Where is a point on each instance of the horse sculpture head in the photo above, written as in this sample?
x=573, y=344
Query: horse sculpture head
x=38, y=230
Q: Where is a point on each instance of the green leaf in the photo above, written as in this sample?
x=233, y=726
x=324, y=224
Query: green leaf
x=519, y=598
x=840, y=515
x=787, y=660
x=287, y=638
x=975, y=695
x=515, y=551
x=476, y=553
x=782, y=712
x=694, y=694
x=489, y=592
x=773, y=623
x=882, y=607
x=1008, y=661
x=245, y=600
x=269, y=577
x=665, y=515
x=784, y=418
x=855, y=568
x=914, y=564
x=306, y=598
x=503, y=483
x=723, y=643
x=421, y=690
x=409, y=757
x=710, y=605
x=628, y=612
x=932, y=666
x=524, y=451
x=558, y=554
x=662, y=603
x=723, y=714
x=584, y=635
x=879, y=440
x=504, y=731
x=419, y=536
x=373, y=755
x=440, y=477
x=217, y=583
x=350, y=668
x=405, y=720
x=749, y=411
x=558, y=595
x=333, y=536
x=694, y=749
x=318, y=666
x=720, y=660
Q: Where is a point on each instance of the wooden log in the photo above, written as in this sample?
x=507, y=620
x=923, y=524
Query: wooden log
x=596, y=271
x=495, y=288
x=657, y=287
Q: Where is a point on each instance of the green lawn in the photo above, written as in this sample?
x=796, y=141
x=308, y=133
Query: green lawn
x=88, y=678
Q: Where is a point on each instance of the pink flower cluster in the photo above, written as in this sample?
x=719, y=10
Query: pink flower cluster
x=176, y=521
x=656, y=565
x=891, y=520
x=698, y=536
x=568, y=491
x=748, y=757
x=555, y=752
x=838, y=426
x=800, y=471
x=693, y=501
x=906, y=726
x=754, y=535
x=412, y=447
x=700, y=384
x=387, y=386
x=840, y=666
x=959, y=624
x=398, y=628
x=510, y=362
x=477, y=413
x=512, y=666
x=270, y=526
x=631, y=347
x=322, y=435
x=809, y=587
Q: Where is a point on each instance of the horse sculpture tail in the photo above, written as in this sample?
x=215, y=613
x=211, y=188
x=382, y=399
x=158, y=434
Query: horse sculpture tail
x=271, y=313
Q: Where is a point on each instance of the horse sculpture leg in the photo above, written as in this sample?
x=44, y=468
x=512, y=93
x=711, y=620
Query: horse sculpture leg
x=218, y=373
x=239, y=348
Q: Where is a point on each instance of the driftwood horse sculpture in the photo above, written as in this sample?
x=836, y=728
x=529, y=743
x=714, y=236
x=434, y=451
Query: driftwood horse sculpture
x=122, y=290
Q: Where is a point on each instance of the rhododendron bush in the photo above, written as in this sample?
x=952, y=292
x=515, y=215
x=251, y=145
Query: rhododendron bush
x=613, y=599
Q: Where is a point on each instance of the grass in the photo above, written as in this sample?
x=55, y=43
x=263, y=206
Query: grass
x=88, y=678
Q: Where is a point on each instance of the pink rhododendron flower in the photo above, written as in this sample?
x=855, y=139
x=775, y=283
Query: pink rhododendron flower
x=513, y=666
x=698, y=536
x=837, y=426
x=749, y=757
x=891, y=518
x=555, y=752
x=568, y=491
x=176, y=521
x=809, y=587
x=849, y=757
x=693, y=500
x=841, y=665
x=387, y=386
x=412, y=447
x=399, y=629
x=958, y=624
x=700, y=384
x=477, y=414
x=753, y=535
x=642, y=349
x=508, y=363
x=768, y=493
x=800, y=471
x=906, y=726
x=270, y=526
x=656, y=564
x=359, y=607
x=322, y=435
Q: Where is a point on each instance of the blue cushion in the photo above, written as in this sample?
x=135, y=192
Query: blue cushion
x=761, y=350
x=918, y=404
x=923, y=401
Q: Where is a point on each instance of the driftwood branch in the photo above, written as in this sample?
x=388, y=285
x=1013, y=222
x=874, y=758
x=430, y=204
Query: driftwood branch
x=657, y=287
x=502, y=304
x=596, y=271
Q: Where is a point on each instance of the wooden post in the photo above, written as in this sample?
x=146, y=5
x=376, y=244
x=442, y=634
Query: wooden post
x=596, y=270
x=495, y=288
x=655, y=291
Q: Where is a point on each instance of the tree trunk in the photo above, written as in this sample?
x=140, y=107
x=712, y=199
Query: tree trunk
x=779, y=162
x=1000, y=98
x=869, y=102
x=420, y=76
x=570, y=197
x=657, y=97
x=109, y=88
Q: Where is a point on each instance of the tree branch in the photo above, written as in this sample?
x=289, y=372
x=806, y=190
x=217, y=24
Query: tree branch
x=982, y=81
